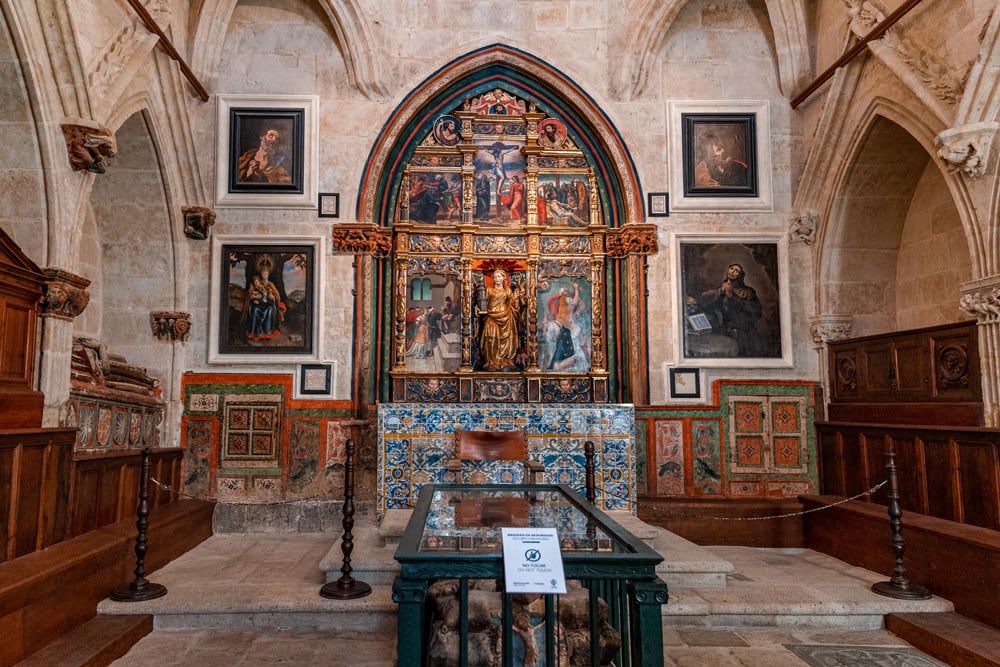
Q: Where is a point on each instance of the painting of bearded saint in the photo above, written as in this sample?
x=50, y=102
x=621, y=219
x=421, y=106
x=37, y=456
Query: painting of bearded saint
x=564, y=331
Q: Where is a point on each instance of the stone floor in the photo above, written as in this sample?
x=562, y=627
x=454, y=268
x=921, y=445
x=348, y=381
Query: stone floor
x=247, y=600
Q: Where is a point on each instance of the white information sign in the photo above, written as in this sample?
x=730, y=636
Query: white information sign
x=532, y=561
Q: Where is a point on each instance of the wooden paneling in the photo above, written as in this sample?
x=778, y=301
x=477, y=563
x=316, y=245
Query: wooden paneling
x=724, y=522
x=949, y=473
x=34, y=469
x=955, y=561
x=107, y=485
x=922, y=376
x=46, y=594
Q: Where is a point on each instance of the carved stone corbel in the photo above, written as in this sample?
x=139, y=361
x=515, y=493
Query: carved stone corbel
x=358, y=239
x=802, y=226
x=197, y=221
x=66, y=295
x=981, y=299
x=89, y=145
x=828, y=328
x=967, y=147
x=170, y=326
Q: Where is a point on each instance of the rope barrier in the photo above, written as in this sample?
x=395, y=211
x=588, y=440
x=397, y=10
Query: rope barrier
x=654, y=510
x=773, y=516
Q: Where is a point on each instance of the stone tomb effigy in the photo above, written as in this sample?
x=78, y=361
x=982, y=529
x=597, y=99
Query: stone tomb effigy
x=416, y=441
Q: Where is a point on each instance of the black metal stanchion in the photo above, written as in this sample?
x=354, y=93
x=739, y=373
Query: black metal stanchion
x=141, y=589
x=899, y=586
x=347, y=587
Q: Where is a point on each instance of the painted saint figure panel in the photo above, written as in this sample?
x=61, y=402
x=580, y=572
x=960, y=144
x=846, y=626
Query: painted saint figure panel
x=433, y=324
x=563, y=200
x=565, y=326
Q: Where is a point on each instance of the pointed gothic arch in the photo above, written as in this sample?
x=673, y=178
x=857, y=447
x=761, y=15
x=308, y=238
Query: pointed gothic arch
x=619, y=279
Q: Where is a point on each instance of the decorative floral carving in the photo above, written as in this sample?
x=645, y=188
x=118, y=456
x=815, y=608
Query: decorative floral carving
x=89, y=145
x=828, y=328
x=356, y=239
x=66, y=295
x=170, y=326
x=632, y=240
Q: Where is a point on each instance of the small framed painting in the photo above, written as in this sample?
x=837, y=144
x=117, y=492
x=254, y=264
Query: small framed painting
x=266, y=151
x=658, y=205
x=685, y=383
x=266, y=300
x=315, y=380
x=329, y=205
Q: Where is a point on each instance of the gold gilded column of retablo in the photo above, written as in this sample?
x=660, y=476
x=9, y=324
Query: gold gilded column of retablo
x=399, y=312
x=597, y=304
x=404, y=196
x=532, y=289
x=466, y=363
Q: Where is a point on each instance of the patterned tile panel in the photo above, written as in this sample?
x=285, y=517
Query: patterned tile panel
x=415, y=442
x=670, y=457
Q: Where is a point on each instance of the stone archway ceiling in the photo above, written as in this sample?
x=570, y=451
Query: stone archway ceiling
x=789, y=25
x=500, y=66
x=361, y=57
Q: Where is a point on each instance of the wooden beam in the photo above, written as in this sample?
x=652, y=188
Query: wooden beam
x=875, y=33
x=165, y=42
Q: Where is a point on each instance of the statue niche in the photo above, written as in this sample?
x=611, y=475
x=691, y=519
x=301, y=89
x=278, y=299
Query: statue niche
x=498, y=261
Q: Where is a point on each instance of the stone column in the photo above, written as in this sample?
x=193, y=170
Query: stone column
x=981, y=299
x=66, y=296
x=826, y=329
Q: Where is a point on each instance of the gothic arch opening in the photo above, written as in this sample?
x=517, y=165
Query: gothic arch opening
x=498, y=170
x=897, y=252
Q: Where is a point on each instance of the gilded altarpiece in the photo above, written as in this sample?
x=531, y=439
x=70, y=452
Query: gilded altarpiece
x=498, y=262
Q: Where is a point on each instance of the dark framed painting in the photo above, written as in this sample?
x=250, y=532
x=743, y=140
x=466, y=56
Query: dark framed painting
x=328, y=205
x=720, y=154
x=315, y=379
x=685, y=383
x=658, y=204
x=266, y=151
x=266, y=301
x=733, y=301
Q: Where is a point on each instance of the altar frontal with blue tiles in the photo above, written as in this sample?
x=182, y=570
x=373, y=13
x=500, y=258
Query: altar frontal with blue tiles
x=416, y=441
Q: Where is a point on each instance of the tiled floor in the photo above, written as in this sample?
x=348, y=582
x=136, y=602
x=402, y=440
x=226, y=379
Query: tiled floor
x=260, y=592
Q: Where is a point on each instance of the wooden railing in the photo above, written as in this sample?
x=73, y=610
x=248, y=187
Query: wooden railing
x=946, y=472
x=106, y=485
x=34, y=469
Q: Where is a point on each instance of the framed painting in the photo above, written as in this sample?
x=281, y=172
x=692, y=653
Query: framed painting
x=685, y=383
x=658, y=205
x=733, y=301
x=315, y=381
x=720, y=156
x=266, y=301
x=329, y=205
x=563, y=199
x=266, y=151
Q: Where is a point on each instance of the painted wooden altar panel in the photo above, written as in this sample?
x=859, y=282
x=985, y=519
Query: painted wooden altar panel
x=416, y=440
